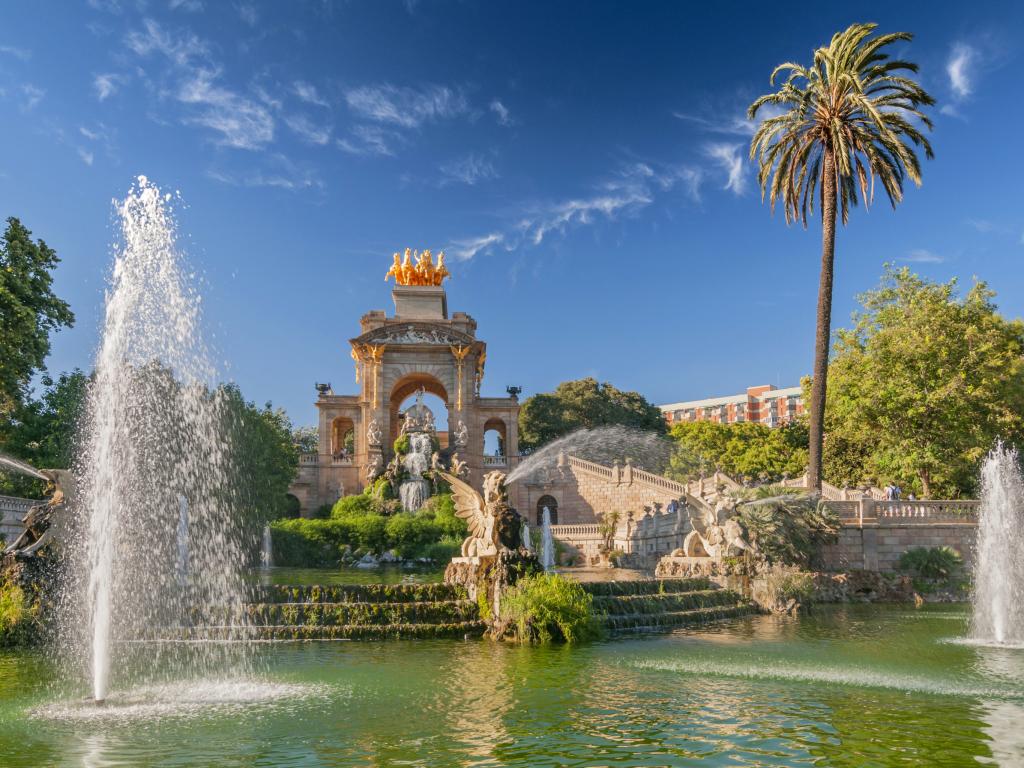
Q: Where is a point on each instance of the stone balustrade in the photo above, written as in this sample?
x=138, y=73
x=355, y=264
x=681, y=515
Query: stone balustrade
x=309, y=458
x=12, y=510
x=495, y=461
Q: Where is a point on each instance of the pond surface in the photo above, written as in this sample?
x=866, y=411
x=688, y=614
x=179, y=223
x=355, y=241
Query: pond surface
x=847, y=686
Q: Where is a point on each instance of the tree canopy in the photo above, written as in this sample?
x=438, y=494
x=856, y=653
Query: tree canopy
x=29, y=311
x=746, y=450
x=922, y=386
x=584, y=403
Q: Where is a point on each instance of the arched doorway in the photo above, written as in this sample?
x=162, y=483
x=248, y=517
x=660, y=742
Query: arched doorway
x=552, y=504
x=495, y=438
x=403, y=394
x=343, y=434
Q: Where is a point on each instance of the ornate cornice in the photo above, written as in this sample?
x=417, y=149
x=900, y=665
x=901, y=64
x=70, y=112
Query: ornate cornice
x=421, y=334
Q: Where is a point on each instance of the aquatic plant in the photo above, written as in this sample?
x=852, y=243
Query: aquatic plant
x=546, y=607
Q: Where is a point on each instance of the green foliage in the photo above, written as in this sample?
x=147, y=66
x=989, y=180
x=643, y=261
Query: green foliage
x=546, y=607
x=583, y=404
x=264, y=454
x=306, y=439
x=43, y=431
x=931, y=562
x=789, y=530
x=18, y=616
x=356, y=522
x=922, y=385
x=785, y=584
x=29, y=311
x=401, y=445
x=742, y=450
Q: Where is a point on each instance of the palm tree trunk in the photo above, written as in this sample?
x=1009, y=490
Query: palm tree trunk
x=824, y=329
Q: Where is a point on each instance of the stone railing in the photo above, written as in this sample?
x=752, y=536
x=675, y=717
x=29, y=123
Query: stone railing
x=12, y=510
x=590, y=466
x=575, y=531
x=308, y=458
x=926, y=512
x=678, y=489
x=495, y=461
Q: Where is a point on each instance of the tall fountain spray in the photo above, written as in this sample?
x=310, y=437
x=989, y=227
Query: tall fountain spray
x=999, y=553
x=154, y=431
x=524, y=533
x=267, y=549
x=547, y=543
x=183, y=552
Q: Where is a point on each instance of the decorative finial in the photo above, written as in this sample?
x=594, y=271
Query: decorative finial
x=418, y=268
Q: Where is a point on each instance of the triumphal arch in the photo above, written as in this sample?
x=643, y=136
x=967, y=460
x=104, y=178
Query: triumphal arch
x=420, y=347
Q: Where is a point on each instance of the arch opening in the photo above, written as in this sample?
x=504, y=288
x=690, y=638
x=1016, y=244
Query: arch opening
x=435, y=397
x=343, y=438
x=552, y=504
x=495, y=438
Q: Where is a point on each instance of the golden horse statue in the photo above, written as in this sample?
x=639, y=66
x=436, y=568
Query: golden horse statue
x=422, y=272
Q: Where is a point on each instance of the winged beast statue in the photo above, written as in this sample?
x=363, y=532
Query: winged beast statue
x=493, y=524
x=715, y=533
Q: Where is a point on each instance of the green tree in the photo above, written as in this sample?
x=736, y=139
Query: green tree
x=580, y=404
x=306, y=439
x=924, y=383
x=265, y=456
x=847, y=120
x=29, y=311
x=744, y=450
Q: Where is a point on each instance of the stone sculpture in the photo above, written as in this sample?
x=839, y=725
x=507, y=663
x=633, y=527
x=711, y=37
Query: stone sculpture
x=716, y=533
x=422, y=272
x=493, y=525
x=374, y=467
x=374, y=435
x=461, y=435
x=43, y=521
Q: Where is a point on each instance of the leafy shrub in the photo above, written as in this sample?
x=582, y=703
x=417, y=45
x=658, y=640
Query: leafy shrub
x=17, y=616
x=323, y=512
x=785, y=584
x=544, y=607
x=357, y=523
x=931, y=562
x=401, y=445
x=789, y=530
x=349, y=506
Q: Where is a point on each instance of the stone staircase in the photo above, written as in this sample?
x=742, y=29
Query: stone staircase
x=664, y=604
x=371, y=611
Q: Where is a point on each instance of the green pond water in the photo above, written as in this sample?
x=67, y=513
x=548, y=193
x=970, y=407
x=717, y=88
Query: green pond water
x=846, y=686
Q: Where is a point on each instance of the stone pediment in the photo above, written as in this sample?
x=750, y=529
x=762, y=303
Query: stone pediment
x=414, y=333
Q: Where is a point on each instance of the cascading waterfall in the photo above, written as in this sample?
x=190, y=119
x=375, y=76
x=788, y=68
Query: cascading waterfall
x=267, y=549
x=525, y=533
x=999, y=554
x=547, y=543
x=416, y=490
x=154, y=430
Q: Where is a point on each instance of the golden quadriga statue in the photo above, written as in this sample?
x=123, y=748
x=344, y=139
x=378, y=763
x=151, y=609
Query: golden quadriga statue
x=422, y=271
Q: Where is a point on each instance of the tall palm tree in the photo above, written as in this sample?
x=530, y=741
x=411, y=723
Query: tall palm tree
x=835, y=127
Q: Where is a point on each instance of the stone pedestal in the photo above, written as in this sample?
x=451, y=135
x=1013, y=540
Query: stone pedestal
x=420, y=302
x=491, y=576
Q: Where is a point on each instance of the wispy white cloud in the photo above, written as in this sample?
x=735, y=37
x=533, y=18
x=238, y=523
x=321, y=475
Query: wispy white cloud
x=734, y=124
x=471, y=169
x=463, y=250
x=107, y=6
x=106, y=85
x=279, y=172
x=241, y=122
x=369, y=140
x=152, y=38
x=19, y=53
x=33, y=95
x=501, y=112
x=730, y=159
x=406, y=107
x=248, y=14
x=308, y=130
x=923, y=256
x=631, y=189
x=192, y=6
x=307, y=92
x=85, y=155
x=960, y=67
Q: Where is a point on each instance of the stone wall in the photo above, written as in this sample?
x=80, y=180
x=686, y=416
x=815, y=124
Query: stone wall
x=878, y=547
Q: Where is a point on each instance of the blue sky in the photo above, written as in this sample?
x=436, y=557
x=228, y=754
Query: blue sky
x=582, y=164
